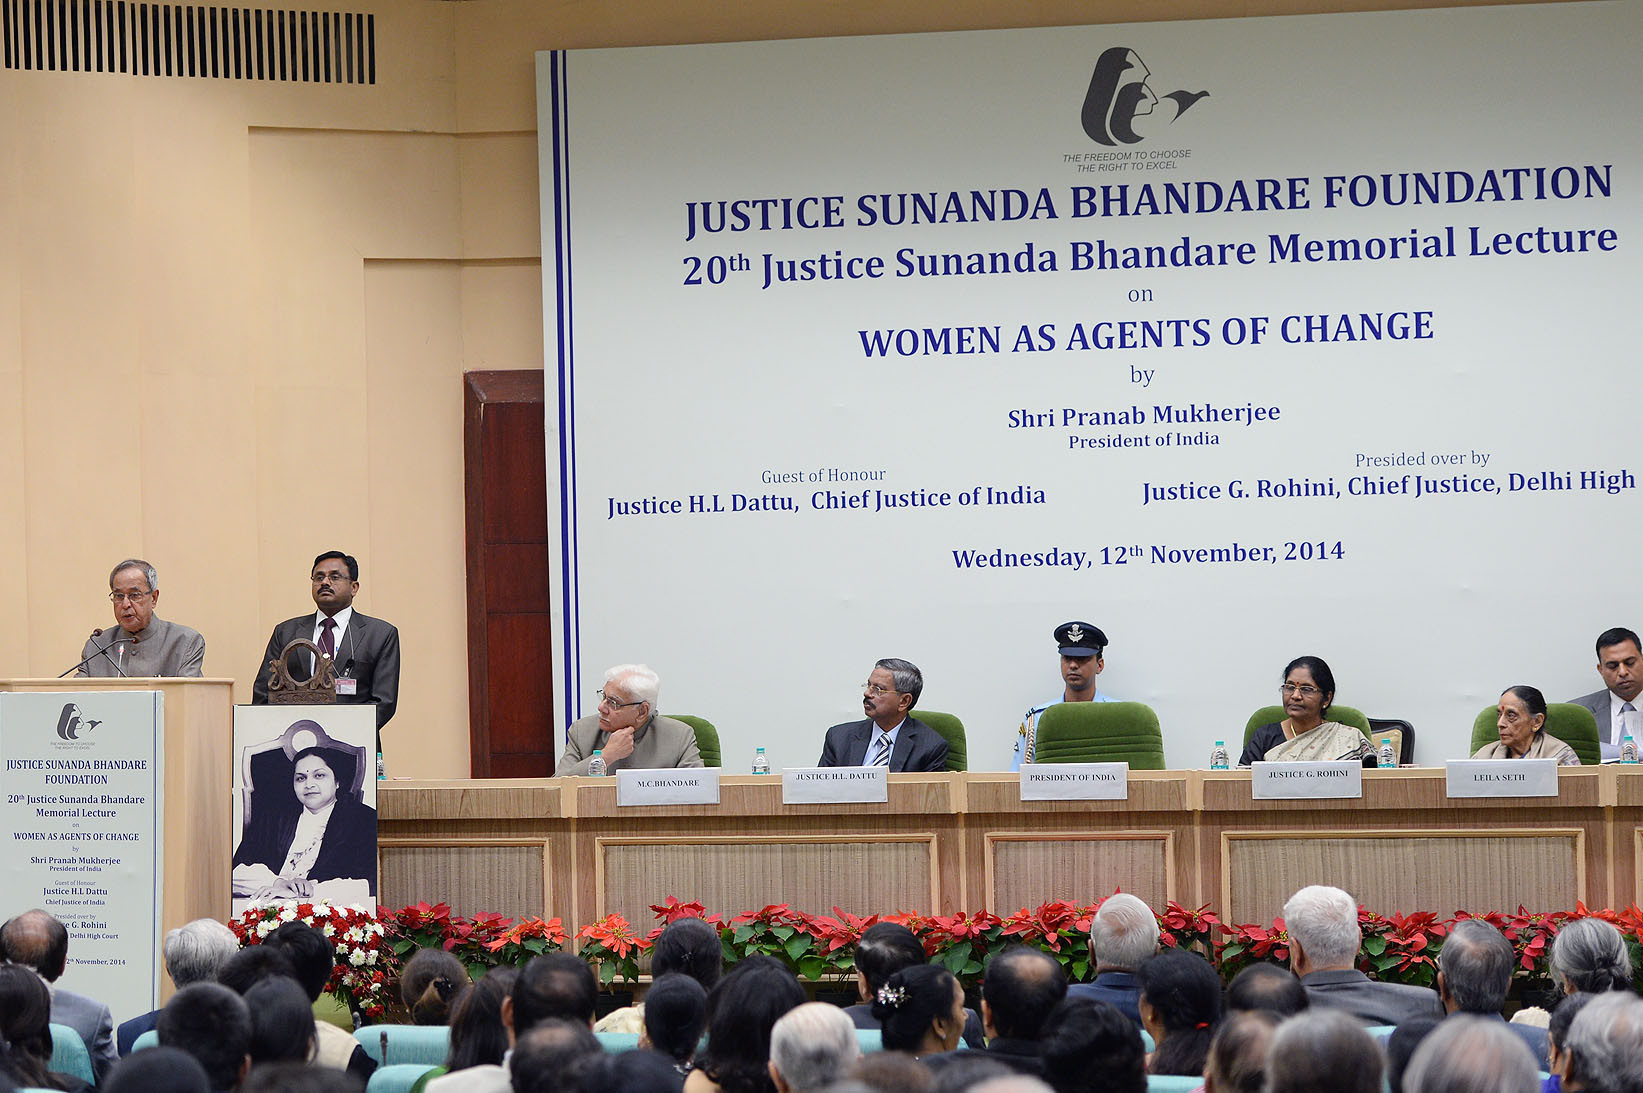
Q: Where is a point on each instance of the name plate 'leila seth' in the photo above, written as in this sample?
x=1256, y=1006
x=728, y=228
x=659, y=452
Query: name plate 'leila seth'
x=686, y=786
x=1075, y=781
x=835, y=785
x=1334, y=778
x=1502, y=777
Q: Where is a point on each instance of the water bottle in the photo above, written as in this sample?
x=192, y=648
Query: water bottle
x=382, y=767
x=761, y=765
x=1388, y=757
x=1628, y=749
x=596, y=765
x=1218, y=756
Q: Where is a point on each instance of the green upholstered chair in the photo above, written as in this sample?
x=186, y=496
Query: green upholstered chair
x=420, y=1045
x=952, y=730
x=615, y=1043
x=1574, y=725
x=1100, y=732
x=69, y=1054
x=707, y=738
x=396, y=1077
x=1346, y=715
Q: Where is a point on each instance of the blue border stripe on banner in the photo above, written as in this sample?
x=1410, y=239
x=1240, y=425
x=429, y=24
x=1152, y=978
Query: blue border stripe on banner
x=570, y=626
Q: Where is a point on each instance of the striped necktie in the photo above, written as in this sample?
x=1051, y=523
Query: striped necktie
x=881, y=752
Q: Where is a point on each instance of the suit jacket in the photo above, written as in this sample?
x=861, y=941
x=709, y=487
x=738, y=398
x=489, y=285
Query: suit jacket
x=91, y=1019
x=1120, y=989
x=126, y=1035
x=1598, y=703
x=1371, y=1002
x=369, y=653
x=161, y=649
x=348, y=850
x=918, y=746
x=1021, y=1056
x=661, y=744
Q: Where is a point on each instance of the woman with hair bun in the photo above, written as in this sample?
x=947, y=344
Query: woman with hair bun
x=920, y=1010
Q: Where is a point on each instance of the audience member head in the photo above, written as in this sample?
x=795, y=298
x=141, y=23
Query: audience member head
x=920, y=1010
x=195, y=951
x=1323, y=930
x=299, y=1078
x=555, y=986
x=251, y=965
x=741, y=1011
x=1323, y=1051
x=884, y=949
x=311, y=954
x=624, y=1072
x=431, y=984
x=1474, y=968
x=1180, y=1006
x=211, y=1023
x=1402, y=1045
x=1266, y=987
x=158, y=1068
x=282, y=1022
x=1238, y=1052
x=1472, y=1053
x=1091, y=1047
x=548, y=1049
x=1557, y=1031
x=888, y=1072
x=689, y=946
x=811, y=1046
x=35, y=939
x=1123, y=933
x=675, y=1016
x=963, y=1070
x=1604, y=1049
x=1020, y=988
x=25, y=1019
x=478, y=1036
x=1589, y=956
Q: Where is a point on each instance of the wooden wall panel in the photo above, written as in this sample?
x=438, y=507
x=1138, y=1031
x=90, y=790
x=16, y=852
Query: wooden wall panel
x=1026, y=870
x=480, y=876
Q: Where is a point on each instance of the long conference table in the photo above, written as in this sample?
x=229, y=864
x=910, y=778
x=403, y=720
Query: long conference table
x=950, y=842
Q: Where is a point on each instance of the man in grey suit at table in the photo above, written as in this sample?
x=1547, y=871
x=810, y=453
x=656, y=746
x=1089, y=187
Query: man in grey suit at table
x=1615, y=708
x=888, y=736
x=365, y=650
x=627, y=731
x=1323, y=953
x=143, y=644
x=35, y=939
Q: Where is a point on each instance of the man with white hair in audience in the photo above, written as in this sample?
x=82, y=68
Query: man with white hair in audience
x=1123, y=933
x=812, y=1046
x=1474, y=974
x=627, y=730
x=1323, y=952
x=1471, y=1054
x=193, y=952
x=1603, y=1052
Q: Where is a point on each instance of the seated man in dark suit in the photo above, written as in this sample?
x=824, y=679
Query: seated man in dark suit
x=1323, y=951
x=37, y=940
x=888, y=736
x=1474, y=974
x=1617, y=707
x=193, y=952
x=1019, y=990
x=1123, y=933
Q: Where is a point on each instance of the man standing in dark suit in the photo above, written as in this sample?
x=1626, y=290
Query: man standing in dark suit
x=365, y=650
x=37, y=940
x=1616, y=707
x=888, y=737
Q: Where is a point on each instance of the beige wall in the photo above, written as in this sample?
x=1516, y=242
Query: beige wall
x=234, y=317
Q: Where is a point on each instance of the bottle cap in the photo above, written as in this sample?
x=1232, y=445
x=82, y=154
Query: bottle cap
x=598, y=751
x=761, y=751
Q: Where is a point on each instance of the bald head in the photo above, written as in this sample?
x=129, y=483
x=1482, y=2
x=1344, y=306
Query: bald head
x=36, y=939
x=1019, y=990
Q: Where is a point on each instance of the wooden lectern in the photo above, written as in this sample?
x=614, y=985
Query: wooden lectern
x=198, y=779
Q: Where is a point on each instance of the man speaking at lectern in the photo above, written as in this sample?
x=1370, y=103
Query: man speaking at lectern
x=365, y=650
x=143, y=644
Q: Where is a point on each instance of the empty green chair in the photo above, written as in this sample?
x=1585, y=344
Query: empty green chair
x=1100, y=732
x=707, y=738
x=1574, y=725
x=1345, y=715
x=951, y=730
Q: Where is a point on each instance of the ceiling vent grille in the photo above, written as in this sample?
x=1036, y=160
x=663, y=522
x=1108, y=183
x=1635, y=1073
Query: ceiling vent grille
x=187, y=40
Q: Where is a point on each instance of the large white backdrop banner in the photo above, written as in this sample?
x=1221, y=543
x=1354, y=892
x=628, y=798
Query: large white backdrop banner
x=1239, y=339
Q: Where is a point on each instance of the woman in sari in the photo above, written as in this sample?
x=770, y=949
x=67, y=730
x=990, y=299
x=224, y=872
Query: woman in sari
x=1522, y=726
x=1306, y=734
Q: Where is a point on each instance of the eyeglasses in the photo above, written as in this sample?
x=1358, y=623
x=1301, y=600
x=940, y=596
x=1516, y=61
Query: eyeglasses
x=134, y=597
x=607, y=700
x=876, y=691
x=1305, y=690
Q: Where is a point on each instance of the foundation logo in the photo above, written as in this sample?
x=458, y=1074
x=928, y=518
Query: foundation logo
x=71, y=723
x=1119, y=93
